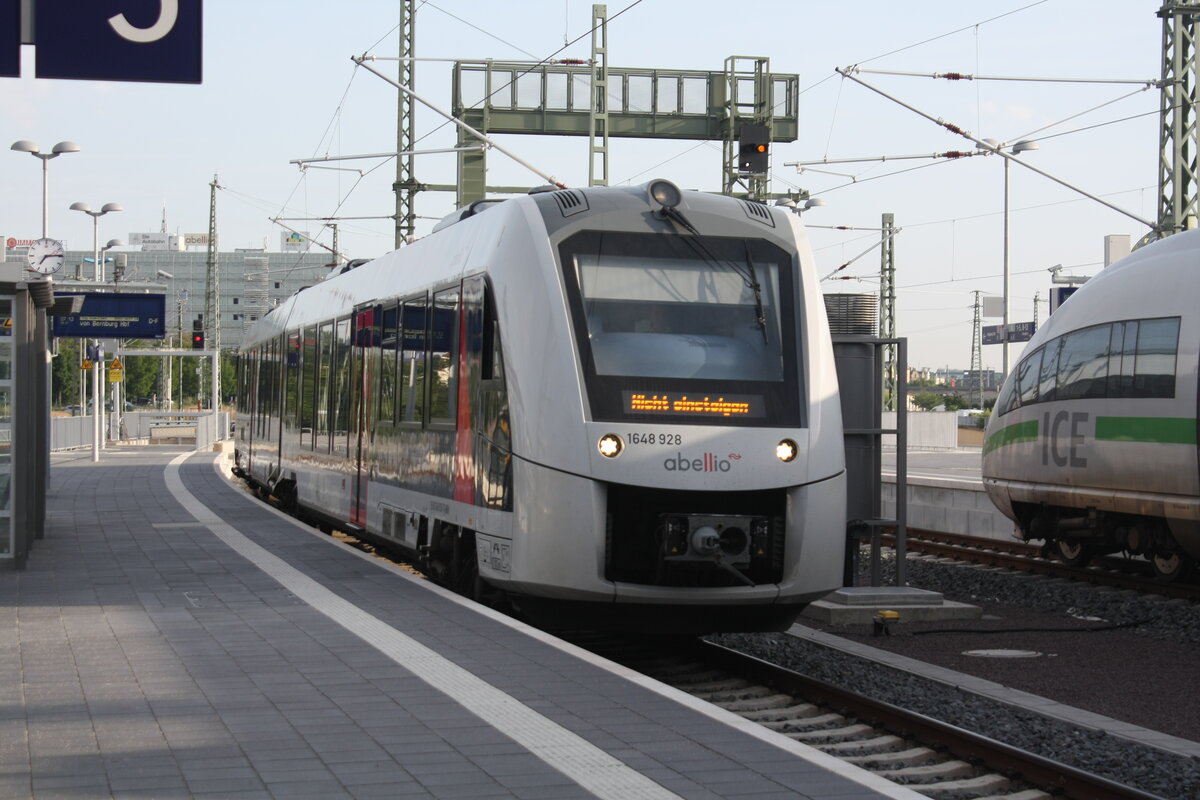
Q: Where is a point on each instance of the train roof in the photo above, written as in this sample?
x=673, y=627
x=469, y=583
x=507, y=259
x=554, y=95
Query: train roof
x=1160, y=279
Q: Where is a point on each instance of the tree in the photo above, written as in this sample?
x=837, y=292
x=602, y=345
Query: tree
x=955, y=401
x=926, y=401
x=65, y=373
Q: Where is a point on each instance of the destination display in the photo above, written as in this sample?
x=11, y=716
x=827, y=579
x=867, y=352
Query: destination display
x=691, y=404
x=115, y=316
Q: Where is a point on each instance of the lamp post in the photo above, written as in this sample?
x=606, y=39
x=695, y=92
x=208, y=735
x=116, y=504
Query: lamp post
x=167, y=370
x=1017, y=147
x=97, y=375
x=26, y=146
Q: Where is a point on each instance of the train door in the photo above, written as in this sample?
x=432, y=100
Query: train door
x=366, y=339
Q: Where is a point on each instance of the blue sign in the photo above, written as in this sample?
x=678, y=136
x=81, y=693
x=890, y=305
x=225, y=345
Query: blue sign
x=115, y=316
x=10, y=39
x=119, y=40
x=1017, y=332
x=1020, y=331
x=1059, y=295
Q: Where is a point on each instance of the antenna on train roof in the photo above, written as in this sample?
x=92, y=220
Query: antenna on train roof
x=361, y=61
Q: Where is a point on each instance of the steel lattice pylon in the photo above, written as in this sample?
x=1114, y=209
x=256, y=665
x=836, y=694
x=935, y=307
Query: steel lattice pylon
x=887, y=307
x=1179, y=140
x=406, y=186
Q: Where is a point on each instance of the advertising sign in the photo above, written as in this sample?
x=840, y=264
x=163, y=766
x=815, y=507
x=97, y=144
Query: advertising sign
x=294, y=241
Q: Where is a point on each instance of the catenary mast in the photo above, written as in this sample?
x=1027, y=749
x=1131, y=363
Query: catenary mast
x=1179, y=137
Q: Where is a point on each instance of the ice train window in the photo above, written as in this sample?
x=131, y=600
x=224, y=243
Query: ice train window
x=1049, y=373
x=1154, y=372
x=1083, y=365
x=1027, y=378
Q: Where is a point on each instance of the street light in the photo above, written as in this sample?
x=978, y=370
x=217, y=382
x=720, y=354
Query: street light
x=26, y=146
x=97, y=401
x=1017, y=147
x=96, y=215
x=167, y=385
x=791, y=205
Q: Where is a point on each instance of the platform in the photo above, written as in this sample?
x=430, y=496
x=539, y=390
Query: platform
x=173, y=637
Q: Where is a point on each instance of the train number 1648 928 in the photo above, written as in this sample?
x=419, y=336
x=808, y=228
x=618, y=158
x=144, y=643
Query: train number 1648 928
x=654, y=438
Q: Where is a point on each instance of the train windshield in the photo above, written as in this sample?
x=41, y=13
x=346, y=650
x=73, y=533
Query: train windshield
x=684, y=327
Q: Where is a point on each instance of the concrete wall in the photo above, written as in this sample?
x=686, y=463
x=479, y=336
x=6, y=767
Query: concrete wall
x=950, y=506
x=927, y=430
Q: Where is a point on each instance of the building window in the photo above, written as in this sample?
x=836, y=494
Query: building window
x=235, y=317
x=235, y=301
x=276, y=284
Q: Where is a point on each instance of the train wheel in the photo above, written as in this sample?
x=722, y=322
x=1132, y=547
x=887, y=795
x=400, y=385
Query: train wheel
x=1169, y=566
x=1072, y=553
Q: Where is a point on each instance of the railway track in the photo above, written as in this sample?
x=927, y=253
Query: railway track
x=1116, y=572
x=928, y=756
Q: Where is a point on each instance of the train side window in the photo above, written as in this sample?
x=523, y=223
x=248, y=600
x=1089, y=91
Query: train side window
x=339, y=403
x=1157, y=345
x=291, y=412
x=1028, y=372
x=387, y=365
x=412, y=360
x=443, y=347
x=1083, y=365
x=1122, y=345
x=308, y=383
x=1048, y=376
x=325, y=350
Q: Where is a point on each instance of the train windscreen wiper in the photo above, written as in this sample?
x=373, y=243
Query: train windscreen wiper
x=749, y=275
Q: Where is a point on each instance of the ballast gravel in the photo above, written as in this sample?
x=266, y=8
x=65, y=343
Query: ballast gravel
x=1148, y=769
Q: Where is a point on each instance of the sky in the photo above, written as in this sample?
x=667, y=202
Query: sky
x=279, y=84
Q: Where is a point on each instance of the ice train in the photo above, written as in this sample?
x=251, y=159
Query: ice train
x=1092, y=445
x=613, y=406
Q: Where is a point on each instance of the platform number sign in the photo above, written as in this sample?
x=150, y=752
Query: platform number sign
x=115, y=40
x=10, y=42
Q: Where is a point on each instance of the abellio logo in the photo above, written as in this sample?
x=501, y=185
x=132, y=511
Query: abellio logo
x=709, y=462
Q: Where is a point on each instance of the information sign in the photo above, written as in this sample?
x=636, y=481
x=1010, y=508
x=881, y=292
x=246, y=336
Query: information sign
x=1020, y=331
x=120, y=40
x=115, y=316
x=1017, y=332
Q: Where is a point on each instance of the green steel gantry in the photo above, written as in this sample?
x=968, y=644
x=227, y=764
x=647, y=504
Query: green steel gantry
x=1179, y=138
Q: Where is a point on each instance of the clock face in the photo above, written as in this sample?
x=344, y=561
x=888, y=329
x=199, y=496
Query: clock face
x=46, y=256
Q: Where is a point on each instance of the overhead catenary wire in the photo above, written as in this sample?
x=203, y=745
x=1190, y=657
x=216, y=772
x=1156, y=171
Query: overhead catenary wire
x=1148, y=83
x=849, y=73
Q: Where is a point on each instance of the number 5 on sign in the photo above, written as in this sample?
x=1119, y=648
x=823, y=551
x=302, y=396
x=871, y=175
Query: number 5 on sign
x=167, y=15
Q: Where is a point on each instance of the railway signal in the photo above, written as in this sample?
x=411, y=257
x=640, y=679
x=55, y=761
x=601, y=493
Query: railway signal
x=753, y=149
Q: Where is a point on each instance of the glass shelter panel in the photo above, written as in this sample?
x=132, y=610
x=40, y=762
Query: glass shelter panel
x=6, y=390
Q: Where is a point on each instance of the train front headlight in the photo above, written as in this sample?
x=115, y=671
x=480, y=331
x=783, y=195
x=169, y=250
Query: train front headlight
x=787, y=450
x=610, y=445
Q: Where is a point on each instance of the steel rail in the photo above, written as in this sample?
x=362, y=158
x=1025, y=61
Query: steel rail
x=1038, y=770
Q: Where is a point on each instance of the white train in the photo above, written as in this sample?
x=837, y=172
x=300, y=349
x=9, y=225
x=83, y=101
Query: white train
x=607, y=405
x=1092, y=443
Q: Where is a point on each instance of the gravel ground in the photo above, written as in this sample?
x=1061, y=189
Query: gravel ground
x=1143, y=674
